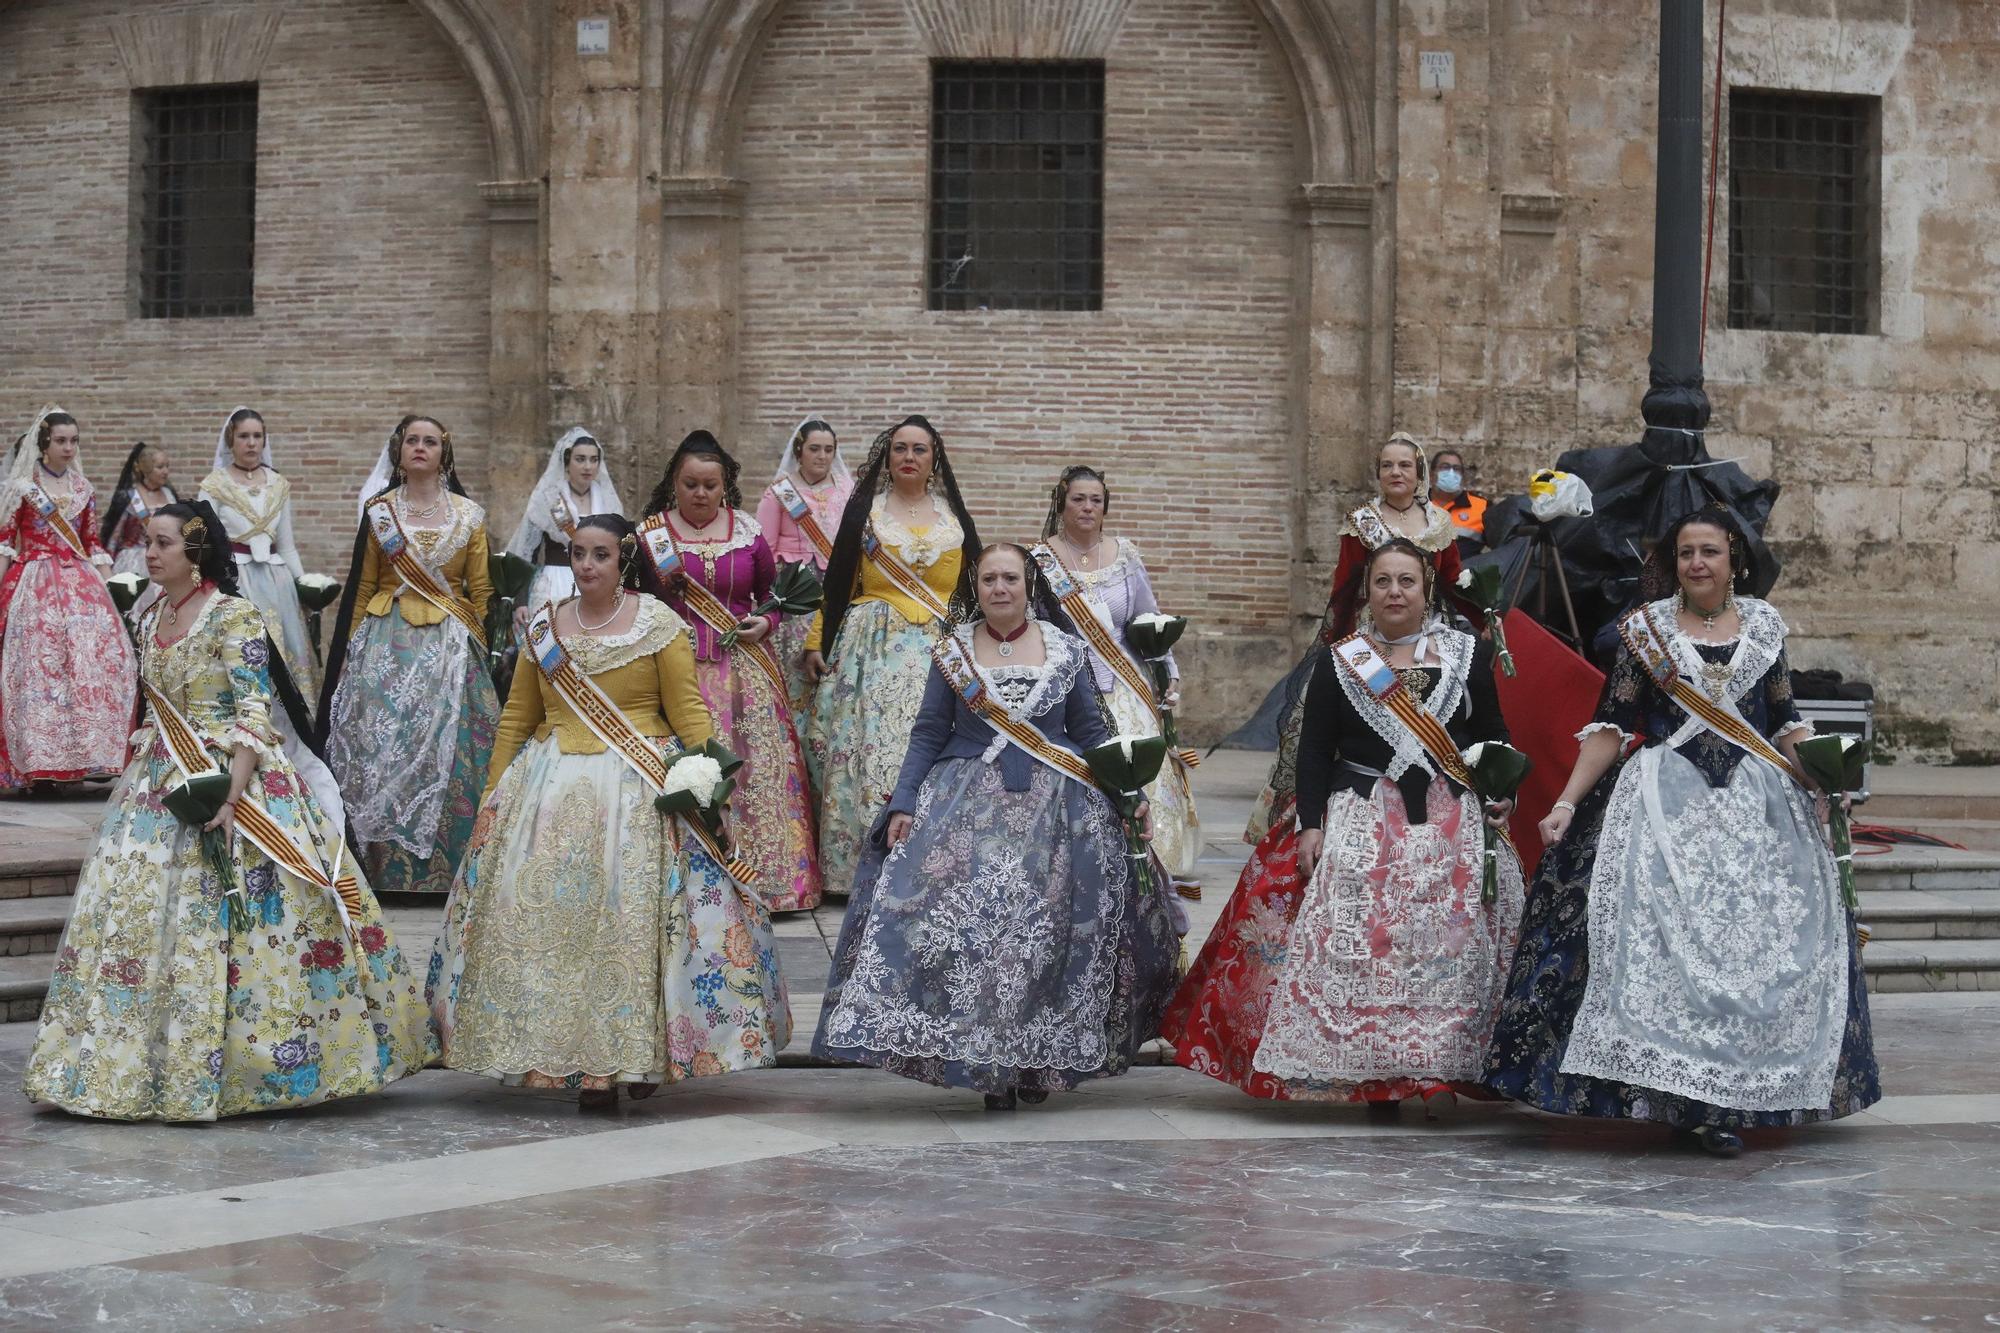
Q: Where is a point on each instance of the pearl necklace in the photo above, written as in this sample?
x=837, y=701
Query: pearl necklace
x=617, y=605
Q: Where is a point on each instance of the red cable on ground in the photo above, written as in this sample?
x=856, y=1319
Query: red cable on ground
x=1714, y=161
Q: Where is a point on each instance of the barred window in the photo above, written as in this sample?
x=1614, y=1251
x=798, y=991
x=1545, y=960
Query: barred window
x=1017, y=186
x=196, y=173
x=1804, y=212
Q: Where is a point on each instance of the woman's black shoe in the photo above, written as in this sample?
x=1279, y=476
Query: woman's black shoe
x=1000, y=1101
x=1034, y=1096
x=1715, y=1142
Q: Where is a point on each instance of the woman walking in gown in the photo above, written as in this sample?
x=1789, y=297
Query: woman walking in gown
x=709, y=561
x=586, y=945
x=997, y=939
x=181, y=994
x=1111, y=582
x=1376, y=978
x=1686, y=957
x=255, y=501
x=142, y=491
x=800, y=513
x=67, y=677
x=901, y=564
x=408, y=710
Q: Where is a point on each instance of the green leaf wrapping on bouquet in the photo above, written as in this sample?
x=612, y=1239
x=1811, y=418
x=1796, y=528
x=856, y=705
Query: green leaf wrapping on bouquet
x=1836, y=762
x=316, y=595
x=1497, y=771
x=194, y=802
x=797, y=591
x=1483, y=586
x=126, y=590
x=1126, y=764
x=727, y=758
x=1154, y=635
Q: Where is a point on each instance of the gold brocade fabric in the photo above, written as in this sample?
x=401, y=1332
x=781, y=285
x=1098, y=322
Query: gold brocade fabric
x=458, y=551
x=648, y=672
x=169, y=1002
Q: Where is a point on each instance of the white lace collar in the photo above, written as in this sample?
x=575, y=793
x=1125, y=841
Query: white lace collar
x=918, y=552
x=1368, y=524
x=1454, y=650
x=466, y=518
x=741, y=533
x=654, y=627
x=1758, y=644
x=1065, y=658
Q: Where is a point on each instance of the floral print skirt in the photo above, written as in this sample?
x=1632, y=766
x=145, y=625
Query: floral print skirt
x=1003, y=944
x=771, y=811
x=412, y=728
x=172, y=1001
x=1376, y=980
x=581, y=949
x=67, y=675
x=861, y=720
x=273, y=591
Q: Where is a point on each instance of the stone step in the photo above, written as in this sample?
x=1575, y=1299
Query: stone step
x=32, y=925
x=1887, y=807
x=1932, y=965
x=1926, y=870
x=1905, y=914
x=39, y=876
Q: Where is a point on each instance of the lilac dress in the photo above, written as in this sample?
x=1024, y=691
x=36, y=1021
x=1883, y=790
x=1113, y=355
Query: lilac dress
x=1119, y=592
x=753, y=716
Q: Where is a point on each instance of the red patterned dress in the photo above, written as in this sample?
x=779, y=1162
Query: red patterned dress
x=67, y=680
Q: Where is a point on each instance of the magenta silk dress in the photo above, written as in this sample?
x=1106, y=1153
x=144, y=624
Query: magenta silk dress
x=770, y=812
x=793, y=547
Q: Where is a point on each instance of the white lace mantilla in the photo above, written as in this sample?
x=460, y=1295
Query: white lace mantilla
x=919, y=552
x=1454, y=650
x=1718, y=943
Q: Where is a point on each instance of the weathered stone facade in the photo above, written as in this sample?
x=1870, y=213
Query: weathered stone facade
x=721, y=223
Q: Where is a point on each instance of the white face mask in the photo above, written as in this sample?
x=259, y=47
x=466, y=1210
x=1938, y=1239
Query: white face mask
x=1450, y=479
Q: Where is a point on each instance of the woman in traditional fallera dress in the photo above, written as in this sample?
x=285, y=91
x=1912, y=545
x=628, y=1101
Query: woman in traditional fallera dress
x=725, y=570
x=1377, y=978
x=1686, y=957
x=997, y=939
x=409, y=708
x=576, y=482
x=255, y=500
x=1112, y=581
x=813, y=479
x=585, y=945
x=67, y=678
x=177, y=996
x=1401, y=508
x=902, y=559
x=142, y=490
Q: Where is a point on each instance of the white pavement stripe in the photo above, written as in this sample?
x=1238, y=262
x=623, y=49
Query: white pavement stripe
x=173, y=1224
x=176, y=1224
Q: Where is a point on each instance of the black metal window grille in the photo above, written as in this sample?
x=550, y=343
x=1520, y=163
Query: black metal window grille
x=1017, y=186
x=197, y=204
x=1804, y=204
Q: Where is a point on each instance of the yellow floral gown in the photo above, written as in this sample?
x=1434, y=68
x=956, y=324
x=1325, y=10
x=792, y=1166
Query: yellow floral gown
x=583, y=945
x=172, y=1001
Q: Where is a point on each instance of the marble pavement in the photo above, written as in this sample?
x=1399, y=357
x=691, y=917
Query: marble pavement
x=813, y=1198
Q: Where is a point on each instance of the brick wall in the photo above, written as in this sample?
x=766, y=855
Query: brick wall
x=1179, y=387
x=371, y=252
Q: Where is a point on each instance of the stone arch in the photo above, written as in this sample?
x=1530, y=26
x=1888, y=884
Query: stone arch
x=704, y=107
x=511, y=117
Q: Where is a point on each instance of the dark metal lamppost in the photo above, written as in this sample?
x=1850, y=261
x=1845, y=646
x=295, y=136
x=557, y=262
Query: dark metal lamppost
x=1675, y=401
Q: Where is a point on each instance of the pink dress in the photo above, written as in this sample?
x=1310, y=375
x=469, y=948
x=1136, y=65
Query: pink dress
x=771, y=812
x=792, y=546
x=67, y=678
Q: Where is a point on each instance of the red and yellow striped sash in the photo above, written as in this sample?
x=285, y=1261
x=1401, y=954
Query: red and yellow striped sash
x=706, y=604
x=419, y=577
